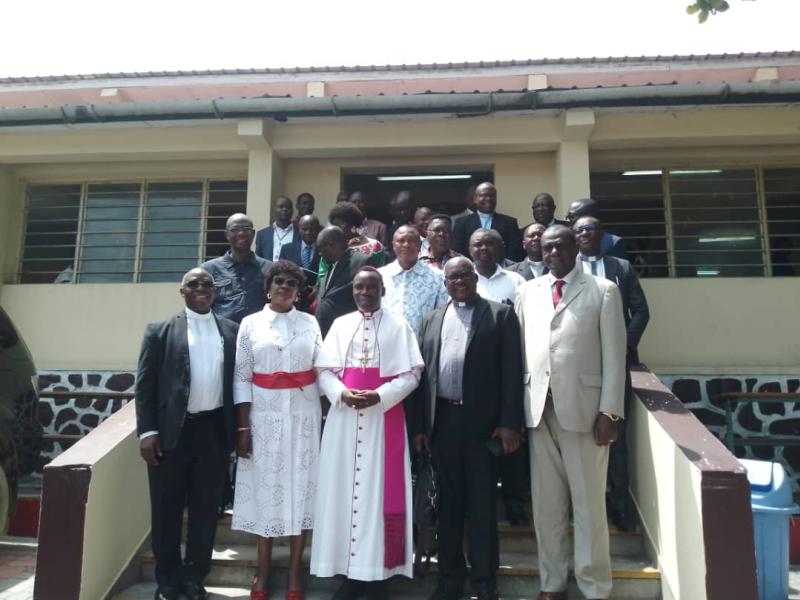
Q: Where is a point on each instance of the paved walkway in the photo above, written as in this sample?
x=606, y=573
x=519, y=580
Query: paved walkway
x=17, y=567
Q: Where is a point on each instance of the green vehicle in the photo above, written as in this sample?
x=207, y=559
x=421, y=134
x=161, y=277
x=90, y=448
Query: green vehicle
x=20, y=430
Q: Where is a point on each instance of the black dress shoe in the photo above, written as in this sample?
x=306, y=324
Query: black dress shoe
x=165, y=592
x=349, y=590
x=485, y=592
x=193, y=590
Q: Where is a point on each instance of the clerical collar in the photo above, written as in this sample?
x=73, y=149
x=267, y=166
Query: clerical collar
x=369, y=315
x=589, y=258
x=485, y=214
x=190, y=314
x=535, y=262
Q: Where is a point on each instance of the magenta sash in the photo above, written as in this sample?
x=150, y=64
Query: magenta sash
x=394, y=489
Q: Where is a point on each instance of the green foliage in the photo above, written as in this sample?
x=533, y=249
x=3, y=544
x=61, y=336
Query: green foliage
x=703, y=8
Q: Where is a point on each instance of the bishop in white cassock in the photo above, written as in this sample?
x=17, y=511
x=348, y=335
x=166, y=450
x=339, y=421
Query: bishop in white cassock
x=369, y=363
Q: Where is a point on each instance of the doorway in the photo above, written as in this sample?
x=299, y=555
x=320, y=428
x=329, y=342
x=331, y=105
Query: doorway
x=443, y=190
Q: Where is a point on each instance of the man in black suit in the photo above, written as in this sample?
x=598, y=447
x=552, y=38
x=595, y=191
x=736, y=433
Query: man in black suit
x=468, y=408
x=610, y=244
x=335, y=295
x=533, y=265
x=270, y=240
x=543, y=209
x=186, y=423
x=589, y=235
x=486, y=217
x=303, y=252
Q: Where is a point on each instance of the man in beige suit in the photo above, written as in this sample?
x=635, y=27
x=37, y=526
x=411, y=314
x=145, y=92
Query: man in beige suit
x=573, y=335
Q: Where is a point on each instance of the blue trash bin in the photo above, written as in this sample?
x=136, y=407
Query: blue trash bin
x=772, y=504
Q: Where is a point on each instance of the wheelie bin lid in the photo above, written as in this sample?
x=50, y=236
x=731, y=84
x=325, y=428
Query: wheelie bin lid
x=770, y=488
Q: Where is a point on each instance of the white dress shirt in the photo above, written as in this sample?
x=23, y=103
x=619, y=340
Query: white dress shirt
x=501, y=286
x=586, y=264
x=537, y=268
x=486, y=219
x=567, y=279
x=280, y=237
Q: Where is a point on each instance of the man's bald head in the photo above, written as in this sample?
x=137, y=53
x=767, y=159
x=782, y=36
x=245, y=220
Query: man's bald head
x=193, y=273
x=238, y=218
x=585, y=207
x=331, y=243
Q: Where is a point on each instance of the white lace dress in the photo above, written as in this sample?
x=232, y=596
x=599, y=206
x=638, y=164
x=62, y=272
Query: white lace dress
x=275, y=489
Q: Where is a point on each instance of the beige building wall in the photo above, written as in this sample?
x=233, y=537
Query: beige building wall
x=697, y=326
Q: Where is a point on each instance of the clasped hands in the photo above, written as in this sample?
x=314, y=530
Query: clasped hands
x=359, y=399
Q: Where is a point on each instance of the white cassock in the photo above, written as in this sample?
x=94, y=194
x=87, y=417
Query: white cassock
x=351, y=507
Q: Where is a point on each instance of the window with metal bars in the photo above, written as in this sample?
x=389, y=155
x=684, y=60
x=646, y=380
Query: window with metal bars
x=125, y=232
x=705, y=222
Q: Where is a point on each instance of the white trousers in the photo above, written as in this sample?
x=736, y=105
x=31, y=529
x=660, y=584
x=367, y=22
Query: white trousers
x=569, y=466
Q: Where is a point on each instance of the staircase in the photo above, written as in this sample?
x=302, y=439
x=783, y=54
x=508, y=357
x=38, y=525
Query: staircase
x=234, y=563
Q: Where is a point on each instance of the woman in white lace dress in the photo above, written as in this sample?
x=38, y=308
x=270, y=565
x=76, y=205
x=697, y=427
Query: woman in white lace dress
x=279, y=416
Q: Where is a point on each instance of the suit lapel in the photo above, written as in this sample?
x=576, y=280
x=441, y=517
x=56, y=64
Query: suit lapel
x=435, y=333
x=182, y=339
x=610, y=268
x=572, y=291
x=481, y=306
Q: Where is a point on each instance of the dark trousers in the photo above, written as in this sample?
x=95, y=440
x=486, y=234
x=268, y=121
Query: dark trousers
x=468, y=486
x=190, y=476
x=618, y=501
x=515, y=477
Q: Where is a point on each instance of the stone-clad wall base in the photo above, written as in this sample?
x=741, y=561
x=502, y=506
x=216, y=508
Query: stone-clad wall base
x=71, y=416
x=696, y=392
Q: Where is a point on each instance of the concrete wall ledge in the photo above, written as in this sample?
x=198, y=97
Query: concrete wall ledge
x=95, y=512
x=693, y=499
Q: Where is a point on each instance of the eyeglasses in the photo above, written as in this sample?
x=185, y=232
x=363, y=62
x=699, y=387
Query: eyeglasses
x=464, y=275
x=550, y=246
x=241, y=230
x=196, y=285
x=584, y=229
x=287, y=281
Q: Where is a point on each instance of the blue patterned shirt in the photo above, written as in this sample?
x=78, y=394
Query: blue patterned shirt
x=413, y=293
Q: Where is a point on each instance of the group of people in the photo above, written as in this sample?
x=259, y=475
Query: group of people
x=385, y=340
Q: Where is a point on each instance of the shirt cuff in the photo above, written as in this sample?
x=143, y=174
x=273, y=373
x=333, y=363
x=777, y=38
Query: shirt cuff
x=147, y=434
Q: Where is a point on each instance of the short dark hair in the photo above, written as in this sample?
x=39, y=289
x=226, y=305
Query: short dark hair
x=347, y=212
x=442, y=217
x=306, y=195
x=284, y=267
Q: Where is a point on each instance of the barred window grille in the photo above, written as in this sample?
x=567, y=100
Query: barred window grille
x=705, y=222
x=632, y=207
x=782, y=203
x=125, y=232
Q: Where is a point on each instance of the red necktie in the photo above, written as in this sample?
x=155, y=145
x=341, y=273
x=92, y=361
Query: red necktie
x=557, y=291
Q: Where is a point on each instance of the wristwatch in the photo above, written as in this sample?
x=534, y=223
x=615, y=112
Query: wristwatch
x=614, y=418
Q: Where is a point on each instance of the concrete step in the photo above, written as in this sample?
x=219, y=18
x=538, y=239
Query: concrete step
x=146, y=590
x=233, y=566
x=512, y=539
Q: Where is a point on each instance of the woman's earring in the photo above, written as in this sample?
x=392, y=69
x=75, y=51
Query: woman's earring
x=269, y=296
x=297, y=298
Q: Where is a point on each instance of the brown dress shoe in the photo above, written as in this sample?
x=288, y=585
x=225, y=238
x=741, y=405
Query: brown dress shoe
x=552, y=596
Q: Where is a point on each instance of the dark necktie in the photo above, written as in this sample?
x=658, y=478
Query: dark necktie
x=306, y=258
x=557, y=291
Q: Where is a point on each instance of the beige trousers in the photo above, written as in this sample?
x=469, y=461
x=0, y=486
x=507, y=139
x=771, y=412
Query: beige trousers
x=569, y=466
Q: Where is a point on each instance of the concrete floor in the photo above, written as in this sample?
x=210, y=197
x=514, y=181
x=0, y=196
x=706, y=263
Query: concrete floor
x=17, y=568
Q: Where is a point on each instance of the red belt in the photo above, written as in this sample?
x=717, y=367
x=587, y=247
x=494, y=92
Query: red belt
x=282, y=380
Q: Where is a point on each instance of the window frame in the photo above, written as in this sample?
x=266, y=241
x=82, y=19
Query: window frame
x=669, y=222
x=144, y=183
